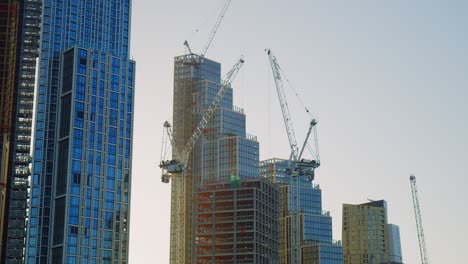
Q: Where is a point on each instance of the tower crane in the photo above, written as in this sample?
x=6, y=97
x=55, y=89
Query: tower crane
x=177, y=165
x=175, y=168
x=213, y=32
x=419, y=226
x=297, y=166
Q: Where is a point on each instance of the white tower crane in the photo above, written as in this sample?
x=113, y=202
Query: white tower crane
x=419, y=226
x=213, y=32
x=297, y=166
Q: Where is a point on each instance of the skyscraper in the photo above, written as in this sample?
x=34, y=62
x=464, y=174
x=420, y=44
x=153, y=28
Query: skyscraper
x=81, y=176
x=367, y=236
x=9, y=17
x=27, y=52
x=237, y=222
x=394, y=244
x=223, y=154
x=317, y=244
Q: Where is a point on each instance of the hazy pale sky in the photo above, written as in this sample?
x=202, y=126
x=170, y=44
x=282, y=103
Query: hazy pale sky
x=388, y=81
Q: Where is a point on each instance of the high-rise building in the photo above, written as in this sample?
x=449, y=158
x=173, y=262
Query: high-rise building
x=224, y=152
x=19, y=158
x=82, y=147
x=237, y=222
x=317, y=244
x=367, y=236
x=9, y=17
x=365, y=233
x=394, y=244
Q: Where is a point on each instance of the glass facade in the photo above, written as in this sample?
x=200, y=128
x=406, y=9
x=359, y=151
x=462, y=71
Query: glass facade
x=225, y=148
x=80, y=184
x=316, y=236
x=225, y=157
x=394, y=244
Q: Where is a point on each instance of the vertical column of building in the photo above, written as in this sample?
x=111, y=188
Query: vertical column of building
x=180, y=189
x=188, y=70
x=394, y=244
x=9, y=17
x=21, y=120
x=79, y=210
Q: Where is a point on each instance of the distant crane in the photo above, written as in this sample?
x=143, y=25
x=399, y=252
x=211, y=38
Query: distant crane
x=213, y=31
x=175, y=168
x=419, y=226
x=297, y=166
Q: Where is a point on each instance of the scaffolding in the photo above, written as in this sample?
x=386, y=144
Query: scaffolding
x=181, y=187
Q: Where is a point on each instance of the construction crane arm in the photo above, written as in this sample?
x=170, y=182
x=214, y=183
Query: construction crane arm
x=186, y=44
x=419, y=225
x=179, y=160
x=215, y=28
x=210, y=111
x=297, y=166
x=284, y=105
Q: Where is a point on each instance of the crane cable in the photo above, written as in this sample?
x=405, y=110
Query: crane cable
x=295, y=92
x=309, y=148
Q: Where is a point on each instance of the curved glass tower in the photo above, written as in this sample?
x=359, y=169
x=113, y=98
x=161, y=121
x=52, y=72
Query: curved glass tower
x=81, y=176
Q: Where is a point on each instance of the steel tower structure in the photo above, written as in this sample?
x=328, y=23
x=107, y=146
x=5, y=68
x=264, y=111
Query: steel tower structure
x=297, y=165
x=419, y=226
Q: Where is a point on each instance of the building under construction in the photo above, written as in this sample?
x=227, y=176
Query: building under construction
x=237, y=222
x=317, y=245
x=223, y=153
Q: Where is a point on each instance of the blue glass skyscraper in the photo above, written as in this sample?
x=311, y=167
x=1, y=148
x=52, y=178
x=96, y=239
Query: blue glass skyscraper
x=80, y=184
x=317, y=243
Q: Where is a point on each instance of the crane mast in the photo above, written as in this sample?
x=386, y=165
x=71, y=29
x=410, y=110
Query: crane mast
x=296, y=166
x=284, y=105
x=419, y=226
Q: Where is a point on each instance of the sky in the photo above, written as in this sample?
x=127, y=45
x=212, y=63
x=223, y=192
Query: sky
x=387, y=81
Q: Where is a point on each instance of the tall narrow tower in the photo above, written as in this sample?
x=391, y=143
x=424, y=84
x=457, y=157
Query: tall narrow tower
x=9, y=17
x=19, y=159
x=419, y=226
x=82, y=149
x=189, y=70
